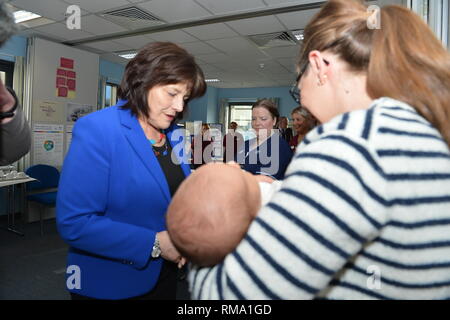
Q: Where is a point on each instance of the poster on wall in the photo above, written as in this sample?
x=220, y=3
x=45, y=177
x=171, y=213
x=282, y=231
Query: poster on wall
x=75, y=111
x=48, y=111
x=48, y=144
x=69, y=129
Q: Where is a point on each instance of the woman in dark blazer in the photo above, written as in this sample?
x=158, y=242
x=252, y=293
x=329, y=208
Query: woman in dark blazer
x=268, y=153
x=124, y=164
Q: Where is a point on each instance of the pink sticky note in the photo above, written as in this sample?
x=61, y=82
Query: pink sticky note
x=71, y=74
x=62, y=92
x=60, y=82
x=71, y=84
x=67, y=63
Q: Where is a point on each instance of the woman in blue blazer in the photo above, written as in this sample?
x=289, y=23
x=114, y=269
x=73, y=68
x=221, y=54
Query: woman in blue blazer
x=124, y=164
x=268, y=153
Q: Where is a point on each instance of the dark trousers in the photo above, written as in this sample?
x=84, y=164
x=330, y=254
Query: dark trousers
x=165, y=288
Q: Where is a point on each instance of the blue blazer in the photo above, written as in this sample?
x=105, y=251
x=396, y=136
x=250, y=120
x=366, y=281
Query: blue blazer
x=112, y=200
x=261, y=160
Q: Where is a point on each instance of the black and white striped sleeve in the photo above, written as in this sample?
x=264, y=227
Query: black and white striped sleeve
x=331, y=203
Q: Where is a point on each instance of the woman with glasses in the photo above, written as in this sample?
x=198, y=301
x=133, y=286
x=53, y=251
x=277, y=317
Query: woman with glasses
x=364, y=209
x=267, y=154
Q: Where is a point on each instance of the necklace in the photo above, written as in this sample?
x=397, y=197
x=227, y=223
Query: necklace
x=156, y=150
x=161, y=149
x=153, y=141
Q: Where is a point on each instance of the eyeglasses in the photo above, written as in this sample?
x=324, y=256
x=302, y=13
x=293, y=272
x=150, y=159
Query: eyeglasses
x=295, y=91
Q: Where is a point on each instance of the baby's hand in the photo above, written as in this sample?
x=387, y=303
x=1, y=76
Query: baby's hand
x=263, y=178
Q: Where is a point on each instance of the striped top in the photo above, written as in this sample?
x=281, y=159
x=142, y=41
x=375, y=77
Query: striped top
x=363, y=213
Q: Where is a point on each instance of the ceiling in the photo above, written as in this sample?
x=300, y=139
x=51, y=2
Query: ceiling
x=217, y=32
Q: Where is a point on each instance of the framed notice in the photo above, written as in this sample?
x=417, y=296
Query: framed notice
x=48, y=111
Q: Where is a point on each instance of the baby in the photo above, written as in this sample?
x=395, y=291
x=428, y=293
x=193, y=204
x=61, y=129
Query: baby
x=212, y=210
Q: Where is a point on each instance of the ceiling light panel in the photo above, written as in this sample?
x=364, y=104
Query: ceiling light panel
x=22, y=16
x=128, y=55
x=36, y=22
x=51, y=9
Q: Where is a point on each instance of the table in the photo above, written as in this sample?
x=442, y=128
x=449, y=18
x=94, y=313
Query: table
x=10, y=184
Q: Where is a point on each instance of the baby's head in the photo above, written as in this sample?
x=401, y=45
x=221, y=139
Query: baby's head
x=211, y=212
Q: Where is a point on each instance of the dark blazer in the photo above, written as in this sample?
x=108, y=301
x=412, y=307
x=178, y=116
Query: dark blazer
x=286, y=134
x=112, y=200
x=264, y=160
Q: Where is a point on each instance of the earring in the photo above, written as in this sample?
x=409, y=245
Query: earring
x=320, y=82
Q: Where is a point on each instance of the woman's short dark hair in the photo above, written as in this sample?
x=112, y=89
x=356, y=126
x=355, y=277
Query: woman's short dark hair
x=269, y=106
x=159, y=63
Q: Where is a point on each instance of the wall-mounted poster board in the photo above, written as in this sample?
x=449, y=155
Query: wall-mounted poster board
x=64, y=88
x=48, y=143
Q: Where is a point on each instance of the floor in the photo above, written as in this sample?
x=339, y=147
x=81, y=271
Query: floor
x=33, y=267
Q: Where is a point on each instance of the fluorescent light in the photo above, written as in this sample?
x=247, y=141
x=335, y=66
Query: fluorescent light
x=212, y=80
x=22, y=16
x=298, y=34
x=128, y=55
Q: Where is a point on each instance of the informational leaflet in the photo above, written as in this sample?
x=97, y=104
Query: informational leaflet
x=69, y=129
x=48, y=144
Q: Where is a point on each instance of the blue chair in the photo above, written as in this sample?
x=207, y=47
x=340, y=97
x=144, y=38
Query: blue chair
x=47, y=177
